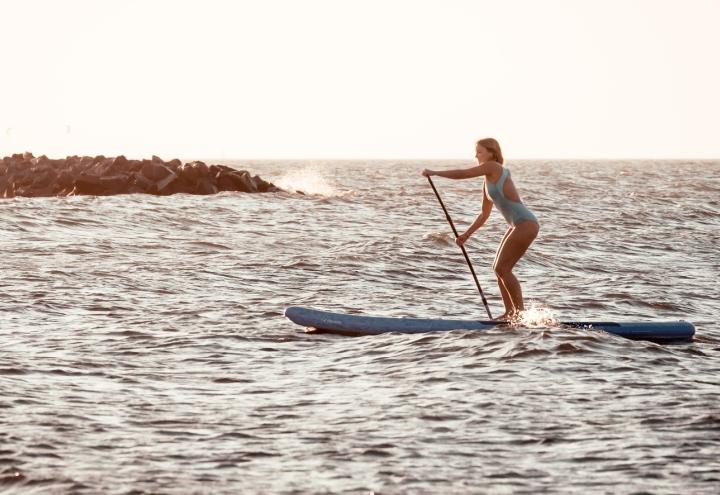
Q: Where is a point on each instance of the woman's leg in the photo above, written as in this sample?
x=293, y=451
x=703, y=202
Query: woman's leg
x=511, y=251
x=507, y=301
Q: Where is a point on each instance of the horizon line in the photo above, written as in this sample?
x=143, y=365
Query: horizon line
x=365, y=158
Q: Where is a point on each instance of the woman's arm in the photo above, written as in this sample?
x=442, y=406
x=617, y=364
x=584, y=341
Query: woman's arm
x=479, y=221
x=463, y=173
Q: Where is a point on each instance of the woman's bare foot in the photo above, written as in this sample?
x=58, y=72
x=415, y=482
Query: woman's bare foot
x=502, y=317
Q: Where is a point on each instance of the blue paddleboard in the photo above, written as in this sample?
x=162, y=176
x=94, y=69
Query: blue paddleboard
x=344, y=324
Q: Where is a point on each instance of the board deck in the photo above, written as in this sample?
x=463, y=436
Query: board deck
x=346, y=324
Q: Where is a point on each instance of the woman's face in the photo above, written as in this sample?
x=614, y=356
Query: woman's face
x=482, y=154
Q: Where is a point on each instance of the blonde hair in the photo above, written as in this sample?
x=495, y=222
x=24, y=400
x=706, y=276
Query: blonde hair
x=493, y=147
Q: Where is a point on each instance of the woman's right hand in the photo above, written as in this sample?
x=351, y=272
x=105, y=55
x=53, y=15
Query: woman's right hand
x=462, y=239
x=427, y=172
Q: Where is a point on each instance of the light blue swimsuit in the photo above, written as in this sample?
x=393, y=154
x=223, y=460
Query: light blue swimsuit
x=513, y=211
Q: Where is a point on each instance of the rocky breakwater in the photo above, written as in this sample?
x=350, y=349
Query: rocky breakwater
x=26, y=175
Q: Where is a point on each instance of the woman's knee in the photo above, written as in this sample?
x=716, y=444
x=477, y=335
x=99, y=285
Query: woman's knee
x=502, y=270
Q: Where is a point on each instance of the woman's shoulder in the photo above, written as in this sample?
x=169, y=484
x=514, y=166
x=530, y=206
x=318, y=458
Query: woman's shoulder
x=493, y=167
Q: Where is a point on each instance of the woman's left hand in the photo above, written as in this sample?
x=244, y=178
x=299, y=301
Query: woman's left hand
x=462, y=239
x=427, y=172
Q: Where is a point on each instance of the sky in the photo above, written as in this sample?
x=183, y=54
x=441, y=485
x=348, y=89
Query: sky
x=360, y=79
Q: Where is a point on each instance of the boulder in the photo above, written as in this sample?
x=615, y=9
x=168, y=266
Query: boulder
x=205, y=186
x=43, y=179
x=244, y=182
x=189, y=173
x=202, y=169
x=41, y=161
x=264, y=186
x=154, y=171
x=162, y=186
x=88, y=184
x=140, y=183
x=115, y=184
x=120, y=163
x=135, y=166
x=97, y=186
x=85, y=162
x=181, y=185
x=225, y=181
x=65, y=179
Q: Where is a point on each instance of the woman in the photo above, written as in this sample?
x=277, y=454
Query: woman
x=523, y=227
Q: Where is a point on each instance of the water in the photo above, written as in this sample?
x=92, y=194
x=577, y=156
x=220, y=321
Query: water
x=143, y=347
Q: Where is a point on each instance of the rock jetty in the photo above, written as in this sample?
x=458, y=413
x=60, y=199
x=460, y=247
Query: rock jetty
x=25, y=175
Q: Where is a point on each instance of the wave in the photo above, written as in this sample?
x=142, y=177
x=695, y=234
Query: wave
x=311, y=181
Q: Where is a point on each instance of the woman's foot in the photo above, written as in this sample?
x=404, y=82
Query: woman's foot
x=509, y=316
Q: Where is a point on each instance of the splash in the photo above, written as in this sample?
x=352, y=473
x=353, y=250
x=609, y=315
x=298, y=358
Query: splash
x=536, y=316
x=439, y=238
x=307, y=180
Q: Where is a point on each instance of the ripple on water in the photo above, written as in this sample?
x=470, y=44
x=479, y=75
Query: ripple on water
x=144, y=347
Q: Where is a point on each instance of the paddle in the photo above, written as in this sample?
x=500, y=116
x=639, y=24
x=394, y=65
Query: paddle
x=452, y=225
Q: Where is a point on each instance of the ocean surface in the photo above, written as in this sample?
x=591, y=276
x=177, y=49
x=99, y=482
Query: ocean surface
x=143, y=347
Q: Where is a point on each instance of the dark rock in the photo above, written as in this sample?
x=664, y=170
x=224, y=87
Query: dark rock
x=41, y=161
x=43, y=179
x=162, y=186
x=120, y=163
x=65, y=179
x=99, y=168
x=189, y=173
x=23, y=177
x=88, y=184
x=154, y=171
x=142, y=184
x=244, y=181
x=225, y=181
x=264, y=186
x=23, y=174
x=181, y=185
x=91, y=184
x=115, y=184
x=202, y=169
x=205, y=186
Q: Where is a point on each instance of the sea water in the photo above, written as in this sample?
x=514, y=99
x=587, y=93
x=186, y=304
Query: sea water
x=143, y=347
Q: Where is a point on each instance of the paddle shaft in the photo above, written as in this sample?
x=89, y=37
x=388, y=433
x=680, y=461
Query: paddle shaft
x=462, y=248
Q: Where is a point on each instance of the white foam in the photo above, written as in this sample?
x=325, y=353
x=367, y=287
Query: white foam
x=308, y=180
x=536, y=316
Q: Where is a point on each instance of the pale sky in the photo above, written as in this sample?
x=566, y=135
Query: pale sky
x=360, y=79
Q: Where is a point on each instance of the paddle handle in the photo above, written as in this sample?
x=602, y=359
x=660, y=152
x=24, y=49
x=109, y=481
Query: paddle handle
x=462, y=248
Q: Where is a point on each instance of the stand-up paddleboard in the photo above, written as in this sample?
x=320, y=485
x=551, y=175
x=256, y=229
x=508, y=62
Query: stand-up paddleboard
x=344, y=324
